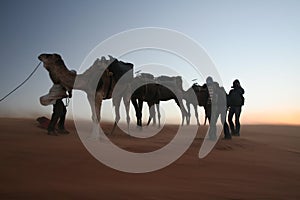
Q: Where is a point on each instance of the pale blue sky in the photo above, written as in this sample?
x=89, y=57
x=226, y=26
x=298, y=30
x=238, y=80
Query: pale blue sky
x=255, y=41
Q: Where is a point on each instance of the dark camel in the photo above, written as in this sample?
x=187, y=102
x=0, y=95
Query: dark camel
x=154, y=90
x=197, y=96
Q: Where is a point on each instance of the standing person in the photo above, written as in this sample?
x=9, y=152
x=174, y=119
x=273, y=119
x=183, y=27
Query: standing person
x=55, y=97
x=236, y=101
x=216, y=106
x=58, y=115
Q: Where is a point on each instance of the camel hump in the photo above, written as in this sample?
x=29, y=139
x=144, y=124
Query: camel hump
x=175, y=81
x=169, y=78
x=120, y=68
x=146, y=76
x=179, y=81
x=165, y=78
x=198, y=88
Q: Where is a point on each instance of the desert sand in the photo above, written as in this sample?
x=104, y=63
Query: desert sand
x=264, y=163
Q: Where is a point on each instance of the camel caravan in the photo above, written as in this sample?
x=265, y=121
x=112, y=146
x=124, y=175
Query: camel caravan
x=100, y=80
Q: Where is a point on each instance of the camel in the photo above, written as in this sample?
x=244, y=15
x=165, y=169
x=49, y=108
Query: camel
x=197, y=96
x=154, y=90
x=142, y=93
x=97, y=87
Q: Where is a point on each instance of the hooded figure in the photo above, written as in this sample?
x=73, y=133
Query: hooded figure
x=235, y=103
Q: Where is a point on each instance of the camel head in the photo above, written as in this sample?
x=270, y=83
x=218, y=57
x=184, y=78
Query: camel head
x=51, y=60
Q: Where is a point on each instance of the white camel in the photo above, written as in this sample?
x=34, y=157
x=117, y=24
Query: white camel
x=98, y=82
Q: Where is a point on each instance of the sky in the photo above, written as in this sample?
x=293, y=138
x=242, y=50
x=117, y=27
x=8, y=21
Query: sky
x=256, y=42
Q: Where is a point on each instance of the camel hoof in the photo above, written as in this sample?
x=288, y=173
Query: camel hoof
x=140, y=128
x=93, y=138
x=95, y=134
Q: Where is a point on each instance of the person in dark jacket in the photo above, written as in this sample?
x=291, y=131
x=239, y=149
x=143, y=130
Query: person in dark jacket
x=55, y=97
x=59, y=113
x=235, y=103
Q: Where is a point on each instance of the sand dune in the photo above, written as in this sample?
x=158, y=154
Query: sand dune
x=262, y=164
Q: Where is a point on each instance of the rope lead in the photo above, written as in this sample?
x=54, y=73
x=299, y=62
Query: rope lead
x=21, y=83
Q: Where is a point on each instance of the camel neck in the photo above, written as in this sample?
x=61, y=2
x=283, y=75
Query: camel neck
x=63, y=76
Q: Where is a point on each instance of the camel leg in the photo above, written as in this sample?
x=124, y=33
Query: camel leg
x=114, y=127
x=184, y=112
x=196, y=113
x=188, y=119
x=206, y=117
x=95, y=103
x=136, y=108
x=207, y=110
x=126, y=102
x=116, y=103
x=140, y=106
x=182, y=109
x=151, y=113
x=158, y=113
x=150, y=117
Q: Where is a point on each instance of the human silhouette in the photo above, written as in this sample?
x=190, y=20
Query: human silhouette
x=217, y=106
x=236, y=101
x=58, y=115
x=55, y=96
